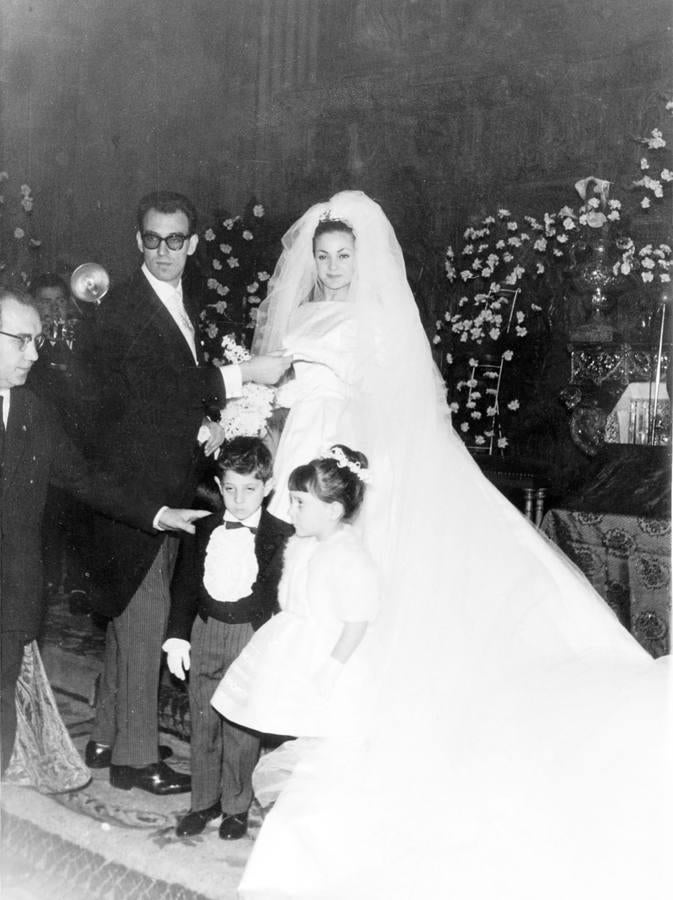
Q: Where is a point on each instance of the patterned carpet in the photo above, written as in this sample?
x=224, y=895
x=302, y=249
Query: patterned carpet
x=99, y=842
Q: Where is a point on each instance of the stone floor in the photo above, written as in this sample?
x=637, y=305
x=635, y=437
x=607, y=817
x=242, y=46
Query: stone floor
x=100, y=843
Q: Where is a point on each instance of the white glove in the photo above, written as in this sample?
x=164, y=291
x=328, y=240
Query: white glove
x=177, y=656
x=326, y=676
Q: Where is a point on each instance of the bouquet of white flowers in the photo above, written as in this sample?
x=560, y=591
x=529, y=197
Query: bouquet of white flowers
x=248, y=414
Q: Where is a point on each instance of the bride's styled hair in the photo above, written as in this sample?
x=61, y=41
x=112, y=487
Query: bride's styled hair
x=329, y=226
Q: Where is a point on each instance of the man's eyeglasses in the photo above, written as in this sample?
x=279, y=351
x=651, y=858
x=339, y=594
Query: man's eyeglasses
x=152, y=241
x=25, y=339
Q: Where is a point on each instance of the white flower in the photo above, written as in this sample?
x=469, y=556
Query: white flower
x=491, y=410
x=508, y=355
x=494, y=334
x=25, y=190
x=512, y=226
x=466, y=275
x=614, y=204
x=220, y=306
x=222, y=290
x=539, y=268
x=258, y=210
x=228, y=224
x=562, y=238
x=454, y=407
x=212, y=284
x=540, y=244
x=225, y=248
x=209, y=235
x=27, y=203
x=503, y=213
x=247, y=235
x=263, y=276
x=19, y=233
x=464, y=427
x=613, y=216
x=479, y=439
x=233, y=262
x=449, y=358
x=486, y=272
x=656, y=142
x=647, y=276
x=473, y=362
x=217, y=265
x=645, y=203
x=666, y=175
x=502, y=443
x=644, y=164
x=436, y=339
x=665, y=277
x=513, y=405
x=251, y=288
x=520, y=331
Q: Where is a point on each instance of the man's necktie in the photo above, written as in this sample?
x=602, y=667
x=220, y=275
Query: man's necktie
x=2, y=430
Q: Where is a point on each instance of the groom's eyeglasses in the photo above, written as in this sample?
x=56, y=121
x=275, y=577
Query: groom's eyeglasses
x=25, y=339
x=151, y=241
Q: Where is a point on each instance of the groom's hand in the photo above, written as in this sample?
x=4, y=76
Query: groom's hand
x=180, y=519
x=265, y=369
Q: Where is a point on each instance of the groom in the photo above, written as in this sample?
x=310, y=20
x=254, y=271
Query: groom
x=153, y=393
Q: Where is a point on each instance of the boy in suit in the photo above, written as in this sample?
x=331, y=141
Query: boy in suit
x=228, y=573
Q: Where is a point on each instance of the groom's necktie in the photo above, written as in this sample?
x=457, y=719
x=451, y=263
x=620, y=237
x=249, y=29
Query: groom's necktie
x=2, y=431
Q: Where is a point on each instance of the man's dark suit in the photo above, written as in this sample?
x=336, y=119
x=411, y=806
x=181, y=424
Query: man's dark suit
x=39, y=453
x=152, y=401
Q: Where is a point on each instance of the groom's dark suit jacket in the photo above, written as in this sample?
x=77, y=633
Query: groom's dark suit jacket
x=39, y=453
x=152, y=398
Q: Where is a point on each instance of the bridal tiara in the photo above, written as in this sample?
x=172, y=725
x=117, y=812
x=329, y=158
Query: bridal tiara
x=327, y=216
x=342, y=461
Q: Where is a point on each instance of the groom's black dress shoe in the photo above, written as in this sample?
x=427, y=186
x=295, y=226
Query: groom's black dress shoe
x=233, y=827
x=157, y=778
x=98, y=756
x=197, y=819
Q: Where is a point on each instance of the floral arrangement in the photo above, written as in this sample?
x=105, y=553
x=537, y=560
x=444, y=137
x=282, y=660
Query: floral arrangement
x=248, y=414
x=506, y=279
x=18, y=243
x=233, y=254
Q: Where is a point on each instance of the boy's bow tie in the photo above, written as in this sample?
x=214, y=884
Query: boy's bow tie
x=228, y=524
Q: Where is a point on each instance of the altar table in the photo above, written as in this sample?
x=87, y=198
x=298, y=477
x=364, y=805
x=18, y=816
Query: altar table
x=628, y=561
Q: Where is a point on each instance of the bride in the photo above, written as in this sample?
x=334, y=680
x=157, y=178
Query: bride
x=515, y=746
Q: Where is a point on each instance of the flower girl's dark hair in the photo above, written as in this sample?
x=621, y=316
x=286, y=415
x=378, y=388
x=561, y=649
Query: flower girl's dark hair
x=338, y=476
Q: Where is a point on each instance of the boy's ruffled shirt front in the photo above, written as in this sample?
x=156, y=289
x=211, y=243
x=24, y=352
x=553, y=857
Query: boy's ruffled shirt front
x=230, y=567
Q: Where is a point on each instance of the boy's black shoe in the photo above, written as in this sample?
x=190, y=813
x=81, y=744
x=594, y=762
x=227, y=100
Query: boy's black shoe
x=98, y=756
x=197, y=819
x=157, y=778
x=234, y=827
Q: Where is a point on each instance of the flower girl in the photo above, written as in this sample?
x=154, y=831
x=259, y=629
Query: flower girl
x=297, y=673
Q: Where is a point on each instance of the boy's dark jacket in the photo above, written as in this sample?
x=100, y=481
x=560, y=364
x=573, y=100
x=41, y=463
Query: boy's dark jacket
x=189, y=596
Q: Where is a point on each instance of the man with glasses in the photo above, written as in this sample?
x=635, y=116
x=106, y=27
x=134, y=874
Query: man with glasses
x=153, y=397
x=34, y=453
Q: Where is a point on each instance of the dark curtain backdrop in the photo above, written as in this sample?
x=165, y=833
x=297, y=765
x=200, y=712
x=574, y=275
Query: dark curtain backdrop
x=439, y=108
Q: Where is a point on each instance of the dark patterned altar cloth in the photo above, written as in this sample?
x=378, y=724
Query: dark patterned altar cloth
x=628, y=561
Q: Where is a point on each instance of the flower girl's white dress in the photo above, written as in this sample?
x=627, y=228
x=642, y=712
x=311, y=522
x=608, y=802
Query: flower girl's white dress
x=274, y=684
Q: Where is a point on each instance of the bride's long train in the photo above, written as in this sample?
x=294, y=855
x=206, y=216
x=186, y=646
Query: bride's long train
x=513, y=739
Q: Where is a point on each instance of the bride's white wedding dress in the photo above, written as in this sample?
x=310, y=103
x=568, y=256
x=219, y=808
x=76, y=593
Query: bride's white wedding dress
x=518, y=744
